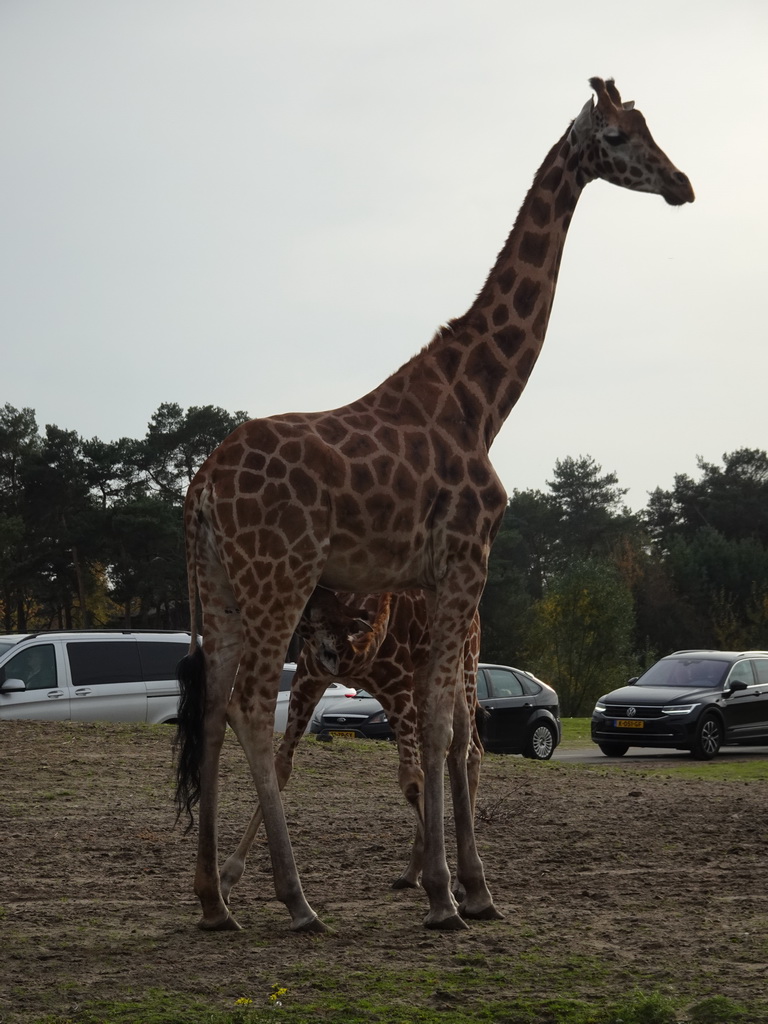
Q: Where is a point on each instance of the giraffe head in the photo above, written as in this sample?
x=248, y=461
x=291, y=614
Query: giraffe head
x=616, y=146
x=342, y=639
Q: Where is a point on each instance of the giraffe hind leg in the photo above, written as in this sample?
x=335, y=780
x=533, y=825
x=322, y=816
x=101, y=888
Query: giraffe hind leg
x=305, y=693
x=221, y=662
x=251, y=713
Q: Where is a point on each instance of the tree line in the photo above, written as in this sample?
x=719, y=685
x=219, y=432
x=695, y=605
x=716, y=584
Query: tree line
x=581, y=590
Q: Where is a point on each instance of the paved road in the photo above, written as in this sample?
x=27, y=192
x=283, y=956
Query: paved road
x=648, y=756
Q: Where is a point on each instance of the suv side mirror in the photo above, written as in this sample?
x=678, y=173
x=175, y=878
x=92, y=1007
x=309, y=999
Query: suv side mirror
x=734, y=687
x=13, y=686
x=632, y=681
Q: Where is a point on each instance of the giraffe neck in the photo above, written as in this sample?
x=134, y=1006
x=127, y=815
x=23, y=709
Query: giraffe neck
x=474, y=370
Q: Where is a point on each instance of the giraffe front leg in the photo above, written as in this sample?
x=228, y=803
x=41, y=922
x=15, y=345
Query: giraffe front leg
x=436, y=737
x=401, y=710
x=477, y=902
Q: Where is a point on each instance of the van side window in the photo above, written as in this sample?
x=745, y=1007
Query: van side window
x=36, y=666
x=160, y=660
x=103, y=661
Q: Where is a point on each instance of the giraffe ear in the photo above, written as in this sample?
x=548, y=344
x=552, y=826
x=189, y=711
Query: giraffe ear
x=629, y=105
x=582, y=126
x=360, y=639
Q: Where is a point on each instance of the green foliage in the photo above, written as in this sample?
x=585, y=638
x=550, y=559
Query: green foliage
x=581, y=633
x=91, y=532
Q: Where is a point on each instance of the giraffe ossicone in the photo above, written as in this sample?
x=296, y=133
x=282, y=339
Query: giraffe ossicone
x=395, y=491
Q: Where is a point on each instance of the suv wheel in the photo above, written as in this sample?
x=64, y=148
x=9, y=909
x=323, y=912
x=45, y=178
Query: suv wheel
x=614, y=749
x=709, y=737
x=540, y=742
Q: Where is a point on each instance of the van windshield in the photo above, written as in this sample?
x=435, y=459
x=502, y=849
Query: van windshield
x=698, y=672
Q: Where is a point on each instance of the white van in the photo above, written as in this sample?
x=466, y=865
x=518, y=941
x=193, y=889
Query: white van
x=90, y=676
x=100, y=676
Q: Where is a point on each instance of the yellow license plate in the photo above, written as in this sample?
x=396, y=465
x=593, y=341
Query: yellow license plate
x=343, y=735
x=628, y=723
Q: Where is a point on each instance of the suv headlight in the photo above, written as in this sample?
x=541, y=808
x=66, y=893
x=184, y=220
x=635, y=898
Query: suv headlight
x=600, y=708
x=678, y=709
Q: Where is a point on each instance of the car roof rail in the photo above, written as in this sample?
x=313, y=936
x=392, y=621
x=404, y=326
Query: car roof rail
x=696, y=650
x=106, y=629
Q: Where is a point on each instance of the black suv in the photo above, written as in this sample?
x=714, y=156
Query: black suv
x=690, y=700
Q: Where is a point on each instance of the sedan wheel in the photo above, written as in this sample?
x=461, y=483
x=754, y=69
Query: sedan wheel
x=541, y=742
x=709, y=737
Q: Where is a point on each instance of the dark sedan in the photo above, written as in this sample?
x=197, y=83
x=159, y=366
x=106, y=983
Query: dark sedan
x=690, y=700
x=518, y=714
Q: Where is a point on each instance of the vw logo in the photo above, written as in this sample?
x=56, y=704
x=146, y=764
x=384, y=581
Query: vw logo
x=631, y=712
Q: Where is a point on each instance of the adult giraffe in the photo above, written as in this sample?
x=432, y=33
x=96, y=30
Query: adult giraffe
x=392, y=492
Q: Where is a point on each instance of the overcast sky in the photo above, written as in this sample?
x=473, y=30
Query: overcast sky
x=270, y=205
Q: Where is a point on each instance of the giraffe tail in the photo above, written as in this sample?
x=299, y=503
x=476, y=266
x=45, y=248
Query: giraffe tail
x=189, y=743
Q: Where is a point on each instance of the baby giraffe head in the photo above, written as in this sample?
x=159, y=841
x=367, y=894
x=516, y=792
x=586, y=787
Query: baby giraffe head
x=341, y=639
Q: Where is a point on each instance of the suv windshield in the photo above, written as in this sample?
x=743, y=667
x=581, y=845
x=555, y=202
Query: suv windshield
x=698, y=672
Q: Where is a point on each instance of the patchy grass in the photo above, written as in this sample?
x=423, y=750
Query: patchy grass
x=630, y=894
x=576, y=732
x=159, y=1007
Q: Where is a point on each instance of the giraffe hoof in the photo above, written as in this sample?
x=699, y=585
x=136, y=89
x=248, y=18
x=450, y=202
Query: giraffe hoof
x=225, y=924
x=489, y=913
x=312, y=927
x=404, y=883
x=446, y=924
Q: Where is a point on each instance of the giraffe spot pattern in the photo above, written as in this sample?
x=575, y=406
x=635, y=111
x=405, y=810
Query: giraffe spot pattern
x=510, y=340
x=541, y=212
x=564, y=201
x=534, y=248
x=507, y=279
x=486, y=371
x=526, y=297
x=500, y=314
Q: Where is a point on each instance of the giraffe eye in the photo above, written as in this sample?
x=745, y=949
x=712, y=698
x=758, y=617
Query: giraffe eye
x=616, y=138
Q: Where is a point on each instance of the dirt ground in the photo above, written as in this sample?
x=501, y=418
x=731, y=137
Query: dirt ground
x=622, y=877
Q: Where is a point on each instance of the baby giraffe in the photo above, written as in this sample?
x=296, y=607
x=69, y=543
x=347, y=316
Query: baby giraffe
x=391, y=667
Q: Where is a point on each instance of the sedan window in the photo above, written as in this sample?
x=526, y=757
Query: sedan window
x=504, y=683
x=529, y=686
